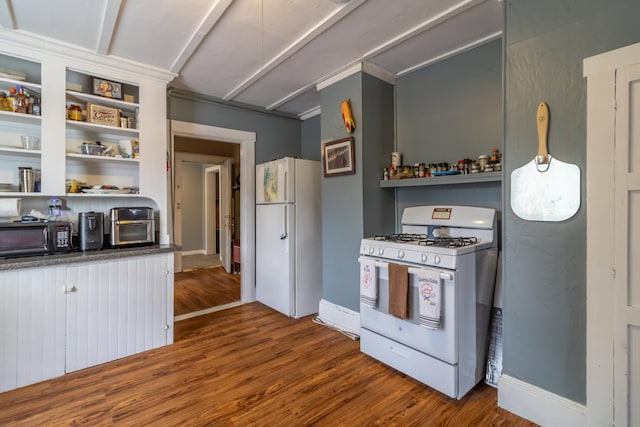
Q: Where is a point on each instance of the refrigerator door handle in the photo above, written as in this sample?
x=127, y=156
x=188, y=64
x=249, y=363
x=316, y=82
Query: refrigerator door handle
x=284, y=234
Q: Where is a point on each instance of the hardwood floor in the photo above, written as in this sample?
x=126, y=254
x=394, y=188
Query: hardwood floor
x=248, y=366
x=204, y=288
x=192, y=262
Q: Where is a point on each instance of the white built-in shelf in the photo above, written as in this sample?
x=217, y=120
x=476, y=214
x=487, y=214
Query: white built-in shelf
x=443, y=180
x=19, y=152
x=105, y=195
x=102, y=159
x=20, y=117
x=102, y=129
x=20, y=194
x=4, y=82
x=101, y=100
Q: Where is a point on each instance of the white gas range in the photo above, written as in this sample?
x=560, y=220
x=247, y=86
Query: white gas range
x=442, y=267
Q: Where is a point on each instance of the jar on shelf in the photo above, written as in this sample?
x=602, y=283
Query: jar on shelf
x=483, y=160
x=74, y=112
x=495, y=156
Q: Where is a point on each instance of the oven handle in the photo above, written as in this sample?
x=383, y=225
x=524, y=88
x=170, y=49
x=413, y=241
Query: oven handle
x=412, y=270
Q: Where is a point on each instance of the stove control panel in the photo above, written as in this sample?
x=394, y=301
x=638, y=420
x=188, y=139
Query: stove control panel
x=417, y=256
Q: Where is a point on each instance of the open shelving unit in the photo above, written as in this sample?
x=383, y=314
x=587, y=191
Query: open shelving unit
x=443, y=180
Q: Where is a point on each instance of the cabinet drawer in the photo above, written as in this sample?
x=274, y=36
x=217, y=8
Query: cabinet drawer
x=424, y=368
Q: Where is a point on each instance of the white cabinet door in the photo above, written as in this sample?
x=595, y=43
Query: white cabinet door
x=118, y=308
x=32, y=325
x=626, y=348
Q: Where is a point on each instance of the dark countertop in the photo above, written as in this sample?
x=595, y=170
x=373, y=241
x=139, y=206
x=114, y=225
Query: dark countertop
x=77, y=256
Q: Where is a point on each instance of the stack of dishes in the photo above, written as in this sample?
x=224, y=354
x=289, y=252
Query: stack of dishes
x=4, y=187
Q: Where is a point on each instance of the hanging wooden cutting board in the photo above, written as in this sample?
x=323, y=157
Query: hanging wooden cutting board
x=545, y=189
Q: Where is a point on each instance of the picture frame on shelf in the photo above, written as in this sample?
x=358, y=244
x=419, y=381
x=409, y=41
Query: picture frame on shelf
x=338, y=157
x=97, y=114
x=107, y=88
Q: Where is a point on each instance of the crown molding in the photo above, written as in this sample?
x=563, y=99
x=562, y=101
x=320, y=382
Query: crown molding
x=17, y=41
x=310, y=113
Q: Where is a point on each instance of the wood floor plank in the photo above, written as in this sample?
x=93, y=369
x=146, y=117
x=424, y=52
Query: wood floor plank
x=204, y=288
x=248, y=366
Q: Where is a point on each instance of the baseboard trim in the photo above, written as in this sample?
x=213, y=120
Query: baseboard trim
x=207, y=311
x=194, y=252
x=339, y=317
x=538, y=405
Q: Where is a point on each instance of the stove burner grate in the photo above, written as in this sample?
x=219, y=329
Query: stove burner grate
x=449, y=242
x=402, y=237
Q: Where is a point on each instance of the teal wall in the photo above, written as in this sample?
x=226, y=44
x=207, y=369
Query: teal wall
x=544, y=263
x=193, y=236
x=310, y=148
x=354, y=205
x=451, y=110
x=276, y=136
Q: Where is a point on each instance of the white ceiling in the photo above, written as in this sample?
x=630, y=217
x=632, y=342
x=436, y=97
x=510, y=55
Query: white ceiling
x=267, y=53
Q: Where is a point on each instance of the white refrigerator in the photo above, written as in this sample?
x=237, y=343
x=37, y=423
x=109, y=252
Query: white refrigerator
x=288, y=236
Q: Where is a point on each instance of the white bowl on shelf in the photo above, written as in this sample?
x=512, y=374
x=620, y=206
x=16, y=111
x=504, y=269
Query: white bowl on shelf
x=30, y=142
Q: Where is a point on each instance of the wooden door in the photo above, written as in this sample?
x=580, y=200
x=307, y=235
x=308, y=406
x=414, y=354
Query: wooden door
x=627, y=248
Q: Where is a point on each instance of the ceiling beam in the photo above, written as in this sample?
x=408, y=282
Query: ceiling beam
x=294, y=47
x=7, y=17
x=109, y=19
x=469, y=46
x=203, y=29
x=412, y=32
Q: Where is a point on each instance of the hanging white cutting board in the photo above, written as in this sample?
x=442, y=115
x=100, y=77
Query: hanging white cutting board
x=545, y=189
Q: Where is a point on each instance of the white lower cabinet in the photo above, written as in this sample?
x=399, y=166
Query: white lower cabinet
x=115, y=309
x=65, y=318
x=32, y=325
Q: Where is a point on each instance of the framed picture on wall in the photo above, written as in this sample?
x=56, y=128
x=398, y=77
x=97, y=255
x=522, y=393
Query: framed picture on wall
x=338, y=157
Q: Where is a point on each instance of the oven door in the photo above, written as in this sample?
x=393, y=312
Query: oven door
x=19, y=239
x=441, y=343
x=131, y=232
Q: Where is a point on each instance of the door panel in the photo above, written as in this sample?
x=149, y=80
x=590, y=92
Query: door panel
x=627, y=249
x=225, y=215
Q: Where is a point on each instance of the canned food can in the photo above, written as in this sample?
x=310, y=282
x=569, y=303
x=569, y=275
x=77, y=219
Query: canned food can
x=396, y=158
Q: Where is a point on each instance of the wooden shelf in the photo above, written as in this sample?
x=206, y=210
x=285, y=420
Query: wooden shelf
x=443, y=180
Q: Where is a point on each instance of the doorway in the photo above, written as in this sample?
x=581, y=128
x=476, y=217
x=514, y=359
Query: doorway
x=244, y=188
x=204, y=205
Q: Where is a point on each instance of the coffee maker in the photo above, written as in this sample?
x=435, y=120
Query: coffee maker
x=90, y=230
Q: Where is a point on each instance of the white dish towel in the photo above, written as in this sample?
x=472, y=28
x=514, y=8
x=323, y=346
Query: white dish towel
x=430, y=298
x=368, y=282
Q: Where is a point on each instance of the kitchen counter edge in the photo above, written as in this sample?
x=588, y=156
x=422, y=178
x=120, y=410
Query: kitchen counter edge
x=88, y=256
